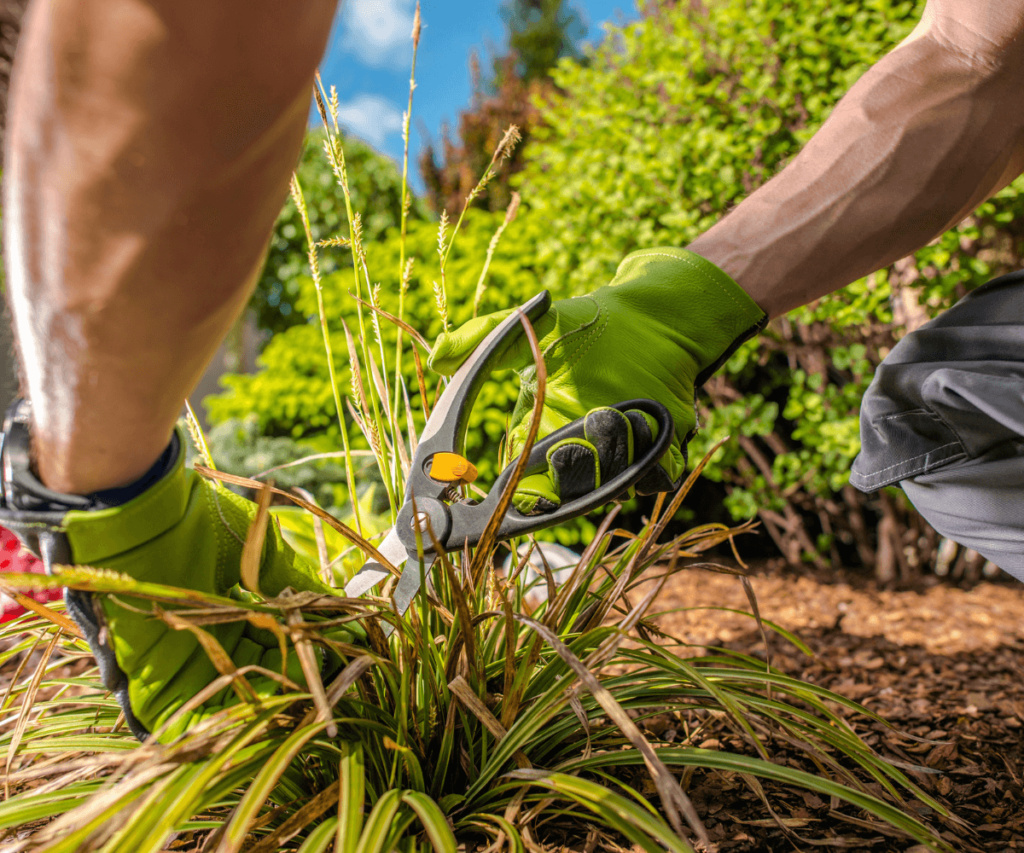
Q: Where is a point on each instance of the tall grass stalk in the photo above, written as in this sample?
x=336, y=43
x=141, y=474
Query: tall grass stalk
x=314, y=268
x=336, y=156
x=481, y=284
x=404, y=266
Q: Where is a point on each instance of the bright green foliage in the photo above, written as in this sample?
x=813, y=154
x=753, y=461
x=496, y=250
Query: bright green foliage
x=376, y=186
x=291, y=394
x=677, y=118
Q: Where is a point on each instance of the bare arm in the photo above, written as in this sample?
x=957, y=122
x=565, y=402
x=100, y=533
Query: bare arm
x=925, y=136
x=150, y=147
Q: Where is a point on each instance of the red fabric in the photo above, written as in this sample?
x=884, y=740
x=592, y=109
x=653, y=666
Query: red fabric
x=14, y=558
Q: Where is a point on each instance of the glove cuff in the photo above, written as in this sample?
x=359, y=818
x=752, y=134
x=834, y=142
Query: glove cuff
x=50, y=524
x=40, y=518
x=682, y=280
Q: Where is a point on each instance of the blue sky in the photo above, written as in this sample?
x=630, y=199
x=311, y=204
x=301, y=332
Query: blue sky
x=369, y=53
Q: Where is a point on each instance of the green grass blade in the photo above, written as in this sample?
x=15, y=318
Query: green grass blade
x=614, y=810
x=351, y=798
x=378, y=824
x=262, y=785
x=25, y=808
x=320, y=838
x=433, y=820
x=715, y=760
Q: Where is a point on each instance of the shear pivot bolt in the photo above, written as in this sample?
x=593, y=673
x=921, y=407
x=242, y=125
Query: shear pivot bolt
x=419, y=522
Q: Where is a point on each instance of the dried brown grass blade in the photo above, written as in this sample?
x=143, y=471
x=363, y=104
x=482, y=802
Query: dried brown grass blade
x=748, y=588
x=424, y=402
x=409, y=422
x=311, y=669
x=581, y=715
x=680, y=496
x=510, y=644
x=608, y=647
x=490, y=534
x=217, y=685
x=524, y=561
x=318, y=535
x=460, y=687
x=561, y=600
x=48, y=613
x=252, y=551
x=463, y=612
x=220, y=659
x=349, y=676
x=343, y=529
x=605, y=604
x=391, y=318
x=513, y=699
x=333, y=454
x=312, y=810
x=12, y=683
x=95, y=805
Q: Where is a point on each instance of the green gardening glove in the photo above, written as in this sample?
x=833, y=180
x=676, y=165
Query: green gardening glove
x=182, y=531
x=658, y=330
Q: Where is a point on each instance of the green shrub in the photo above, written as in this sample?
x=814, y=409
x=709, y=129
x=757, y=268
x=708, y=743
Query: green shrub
x=675, y=119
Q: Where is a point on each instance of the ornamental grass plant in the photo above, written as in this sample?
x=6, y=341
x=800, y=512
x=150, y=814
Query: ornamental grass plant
x=492, y=718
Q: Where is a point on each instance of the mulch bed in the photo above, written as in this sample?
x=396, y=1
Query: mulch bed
x=940, y=663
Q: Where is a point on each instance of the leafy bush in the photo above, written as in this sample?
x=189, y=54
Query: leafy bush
x=675, y=119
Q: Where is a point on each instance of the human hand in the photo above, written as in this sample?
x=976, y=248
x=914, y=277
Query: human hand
x=658, y=330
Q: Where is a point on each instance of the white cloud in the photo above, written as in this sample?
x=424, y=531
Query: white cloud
x=378, y=31
x=370, y=117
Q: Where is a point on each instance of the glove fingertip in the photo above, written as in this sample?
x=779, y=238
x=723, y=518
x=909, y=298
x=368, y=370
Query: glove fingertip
x=445, y=358
x=535, y=495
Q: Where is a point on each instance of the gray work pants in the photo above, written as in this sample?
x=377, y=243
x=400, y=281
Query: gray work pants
x=944, y=418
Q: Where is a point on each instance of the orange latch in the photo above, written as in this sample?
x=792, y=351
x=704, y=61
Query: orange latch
x=452, y=468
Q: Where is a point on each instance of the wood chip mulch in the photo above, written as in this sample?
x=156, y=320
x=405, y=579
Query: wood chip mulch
x=943, y=664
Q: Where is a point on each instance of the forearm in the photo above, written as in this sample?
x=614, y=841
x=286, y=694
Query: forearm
x=150, y=147
x=921, y=139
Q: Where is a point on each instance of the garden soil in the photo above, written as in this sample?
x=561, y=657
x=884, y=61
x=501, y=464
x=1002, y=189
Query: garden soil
x=941, y=663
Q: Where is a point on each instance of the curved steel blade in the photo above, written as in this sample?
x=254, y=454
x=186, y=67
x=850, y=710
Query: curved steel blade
x=372, y=572
x=408, y=585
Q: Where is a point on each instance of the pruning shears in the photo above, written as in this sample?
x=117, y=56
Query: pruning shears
x=438, y=464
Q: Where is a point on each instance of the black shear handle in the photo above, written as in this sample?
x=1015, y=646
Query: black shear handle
x=467, y=522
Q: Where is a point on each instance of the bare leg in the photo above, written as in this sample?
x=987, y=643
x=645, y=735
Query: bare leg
x=150, y=147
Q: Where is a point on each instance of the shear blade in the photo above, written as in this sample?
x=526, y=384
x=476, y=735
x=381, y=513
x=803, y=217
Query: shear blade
x=409, y=582
x=372, y=572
